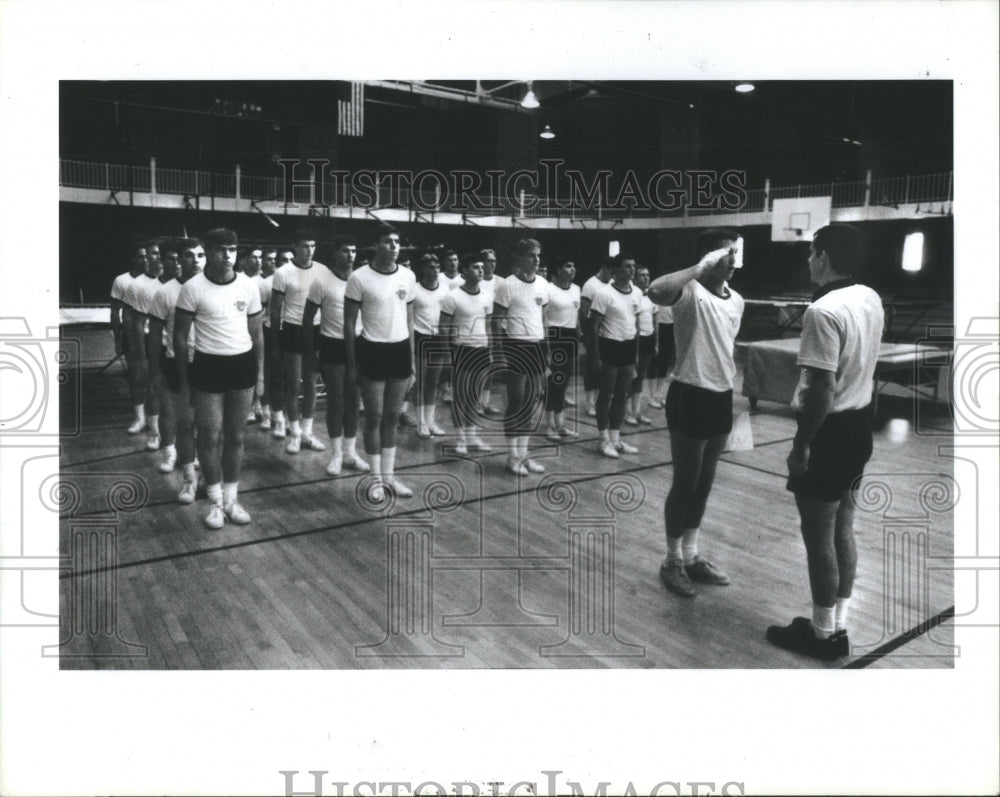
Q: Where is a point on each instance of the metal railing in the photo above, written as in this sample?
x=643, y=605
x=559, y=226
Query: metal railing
x=891, y=191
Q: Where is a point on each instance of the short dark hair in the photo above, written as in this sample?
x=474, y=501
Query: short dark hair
x=485, y=253
x=620, y=258
x=188, y=243
x=383, y=230
x=220, y=236
x=340, y=241
x=303, y=233
x=525, y=245
x=468, y=260
x=844, y=246
x=710, y=240
x=449, y=252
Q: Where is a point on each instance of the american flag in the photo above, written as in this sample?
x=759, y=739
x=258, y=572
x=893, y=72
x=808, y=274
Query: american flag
x=351, y=113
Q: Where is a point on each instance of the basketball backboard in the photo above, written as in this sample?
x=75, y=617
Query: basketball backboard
x=797, y=219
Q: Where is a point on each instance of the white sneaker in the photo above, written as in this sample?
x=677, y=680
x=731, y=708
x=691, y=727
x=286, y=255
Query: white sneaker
x=516, y=467
x=294, y=444
x=478, y=445
x=278, y=432
x=251, y=418
x=216, y=517
x=461, y=448
x=357, y=464
x=169, y=461
x=187, y=493
x=237, y=514
x=265, y=423
x=137, y=426
x=534, y=467
x=335, y=466
x=435, y=430
x=553, y=435
x=312, y=443
x=423, y=432
x=591, y=412
x=153, y=443
x=567, y=432
x=631, y=420
x=608, y=450
x=400, y=489
x=625, y=448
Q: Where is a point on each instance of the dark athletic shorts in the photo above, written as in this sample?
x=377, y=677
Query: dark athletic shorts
x=647, y=345
x=837, y=456
x=168, y=367
x=219, y=373
x=433, y=351
x=697, y=412
x=292, y=340
x=617, y=353
x=523, y=357
x=379, y=362
x=332, y=351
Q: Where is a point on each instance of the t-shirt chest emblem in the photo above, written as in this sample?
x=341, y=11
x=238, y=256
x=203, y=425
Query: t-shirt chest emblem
x=241, y=305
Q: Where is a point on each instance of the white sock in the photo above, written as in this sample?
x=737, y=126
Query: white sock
x=604, y=436
x=430, y=413
x=153, y=421
x=522, y=446
x=842, y=607
x=351, y=447
x=550, y=419
x=824, y=620
x=462, y=436
x=190, y=474
x=690, y=545
x=338, y=446
x=558, y=420
x=404, y=408
x=614, y=435
x=279, y=416
x=512, y=444
x=388, y=462
x=421, y=416
x=140, y=412
x=215, y=493
x=170, y=451
x=674, y=548
x=296, y=429
x=307, y=427
x=229, y=493
x=265, y=410
x=591, y=397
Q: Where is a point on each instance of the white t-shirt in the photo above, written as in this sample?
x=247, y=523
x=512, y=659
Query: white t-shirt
x=841, y=332
x=140, y=292
x=489, y=289
x=383, y=299
x=452, y=282
x=592, y=287
x=264, y=286
x=563, y=308
x=524, y=302
x=619, y=310
x=163, y=307
x=469, y=314
x=120, y=284
x=647, y=316
x=705, y=327
x=664, y=314
x=220, y=313
x=327, y=291
x=427, y=307
x=294, y=283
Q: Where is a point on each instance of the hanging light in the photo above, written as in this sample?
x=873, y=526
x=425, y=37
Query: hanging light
x=744, y=88
x=546, y=132
x=529, y=100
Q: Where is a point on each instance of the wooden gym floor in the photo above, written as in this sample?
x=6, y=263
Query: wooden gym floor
x=481, y=569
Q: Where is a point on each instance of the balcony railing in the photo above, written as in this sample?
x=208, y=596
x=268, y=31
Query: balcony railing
x=147, y=178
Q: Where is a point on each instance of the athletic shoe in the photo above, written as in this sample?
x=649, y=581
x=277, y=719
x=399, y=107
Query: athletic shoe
x=645, y=420
x=258, y=412
x=534, y=467
x=704, y=571
x=400, y=489
x=216, y=517
x=631, y=420
x=236, y=514
x=461, y=448
x=137, y=426
x=169, y=461
x=478, y=445
x=197, y=464
x=358, y=464
x=279, y=430
x=405, y=419
x=294, y=444
x=553, y=435
x=251, y=418
x=843, y=644
x=446, y=394
x=187, y=493
x=335, y=466
x=423, y=432
x=656, y=404
x=625, y=448
x=567, y=432
x=591, y=412
x=153, y=443
x=675, y=579
x=265, y=423
x=569, y=402
x=516, y=467
x=312, y=442
x=436, y=430
x=608, y=449
x=799, y=637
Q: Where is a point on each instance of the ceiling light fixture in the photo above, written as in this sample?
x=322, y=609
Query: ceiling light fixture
x=529, y=100
x=546, y=132
x=744, y=88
